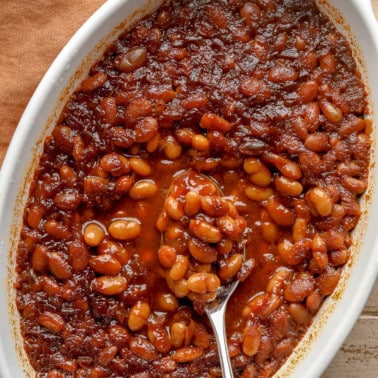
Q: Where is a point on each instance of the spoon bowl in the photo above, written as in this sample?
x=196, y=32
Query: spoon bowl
x=204, y=208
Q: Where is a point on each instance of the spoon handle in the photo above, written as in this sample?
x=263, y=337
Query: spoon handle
x=217, y=320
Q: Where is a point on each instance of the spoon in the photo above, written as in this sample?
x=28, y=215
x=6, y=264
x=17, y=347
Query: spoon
x=216, y=311
x=215, y=304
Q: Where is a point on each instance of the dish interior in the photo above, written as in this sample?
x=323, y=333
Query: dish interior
x=338, y=313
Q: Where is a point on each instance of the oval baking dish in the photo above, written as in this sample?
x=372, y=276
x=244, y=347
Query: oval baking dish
x=338, y=314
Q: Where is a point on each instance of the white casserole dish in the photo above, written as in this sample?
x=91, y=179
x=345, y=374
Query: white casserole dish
x=337, y=316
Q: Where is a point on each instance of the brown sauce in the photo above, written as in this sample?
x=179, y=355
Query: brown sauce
x=265, y=98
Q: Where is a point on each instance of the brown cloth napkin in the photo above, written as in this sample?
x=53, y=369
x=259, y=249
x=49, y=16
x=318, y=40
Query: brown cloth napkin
x=32, y=33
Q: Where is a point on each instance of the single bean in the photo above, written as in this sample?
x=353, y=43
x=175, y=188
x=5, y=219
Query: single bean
x=78, y=255
x=95, y=185
x=159, y=338
x=252, y=165
x=167, y=256
x=328, y=280
x=187, y=354
x=59, y=266
x=300, y=313
x=258, y=89
x=109, y=107
x=312, y=116
x=57, y=230
x=162, y=223
x=327, y=63
x=224, y=246
x=93, y=82
x=194, y=101
x=331, y=111
x=214, y=122
x=137, y=109
x=289, y=168
x=279, y=280
x=231, y=227
x=118, y=335
x=214, y=206
x=114, y=163
x=319, y=201
x=314, y=301
x=143, y=189
x=138, y=316
x=50, y=286
x=179, y=287
x=281, y=74
x=94, y=234
x=131, y=59
x=201, y=338
x=163, y=93
x=200, y=142
x=300, y=127
x=53, y=322
x=173, y=208
x=262, y=177
x=55, y=374
x=125, y=229
x=299, y=288
x=205, y=231
x=178, y=334
x=184, y=136
x=116, y=250
x=40, y=258
x=140, y=167
x=288, y=187
x=146, y=129
x=319, y=251
x=308, y=91
x=123, y=185
x=251, y=13
x=269, y=231
x=172, y=148
x=294, y=254
x=262, y=305
x=142, y=348
x=179, y=268
x=166, y=302
x=317, y=142
x=231, y=267
x=257, y=193
x=192, y=204
x=105, y=357
x=105, y=264
x=354, y=185
x=251, y=340
x=300, y=229
x=110, y=285
x=153, y=144
x=279, y=213
x=202, y=251
x=165, y=365
x=34, y=215
x=339, y=257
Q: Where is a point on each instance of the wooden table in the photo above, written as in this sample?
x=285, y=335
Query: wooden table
x=26, y=25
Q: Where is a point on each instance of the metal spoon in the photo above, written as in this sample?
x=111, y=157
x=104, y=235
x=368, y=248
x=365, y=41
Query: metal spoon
x=216, y=309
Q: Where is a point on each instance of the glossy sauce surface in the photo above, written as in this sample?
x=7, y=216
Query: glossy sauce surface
x=264, y=98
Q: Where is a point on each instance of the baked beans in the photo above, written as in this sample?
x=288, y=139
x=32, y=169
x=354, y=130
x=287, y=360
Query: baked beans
x=207, y=128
